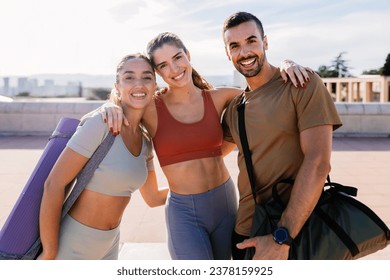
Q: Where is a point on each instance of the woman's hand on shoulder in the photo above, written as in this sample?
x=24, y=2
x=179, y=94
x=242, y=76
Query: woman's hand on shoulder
x=161, y=91
x=297, y=73
x=113, y=115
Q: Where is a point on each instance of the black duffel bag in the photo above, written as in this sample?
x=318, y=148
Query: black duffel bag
x=339, y=228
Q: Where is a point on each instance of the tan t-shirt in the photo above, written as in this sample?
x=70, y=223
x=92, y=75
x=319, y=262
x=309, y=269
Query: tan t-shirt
x=275, y=114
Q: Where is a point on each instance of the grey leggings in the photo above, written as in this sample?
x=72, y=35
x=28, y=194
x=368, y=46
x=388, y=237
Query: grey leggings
x=200, y=226
x=80, y=242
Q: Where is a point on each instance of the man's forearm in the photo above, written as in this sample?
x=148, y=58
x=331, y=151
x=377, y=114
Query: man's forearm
x=304, y=196
x=316, y=144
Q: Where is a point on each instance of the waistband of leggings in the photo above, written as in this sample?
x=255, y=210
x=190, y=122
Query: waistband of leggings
x=92, y=229
x=220, y=188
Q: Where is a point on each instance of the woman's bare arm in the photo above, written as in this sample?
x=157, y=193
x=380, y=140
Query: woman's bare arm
x=64, y=171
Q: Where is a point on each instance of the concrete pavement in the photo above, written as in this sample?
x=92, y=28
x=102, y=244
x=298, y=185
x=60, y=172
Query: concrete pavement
x=360, y=162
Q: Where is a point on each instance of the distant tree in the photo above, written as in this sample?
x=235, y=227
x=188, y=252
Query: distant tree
x=385, y=70
x=373, y=72
x=340, y=66
x=23, y=94
x=386, y=67
x=326, y=72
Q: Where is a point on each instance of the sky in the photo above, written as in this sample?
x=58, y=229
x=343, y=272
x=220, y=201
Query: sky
x=91, y=36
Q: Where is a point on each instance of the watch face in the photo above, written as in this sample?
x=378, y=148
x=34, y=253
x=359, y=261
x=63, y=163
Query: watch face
x=280, y=235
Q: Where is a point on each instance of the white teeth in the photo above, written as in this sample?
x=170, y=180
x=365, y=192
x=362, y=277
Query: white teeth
x=178, y=77
x=138, y=94
x=247, y=62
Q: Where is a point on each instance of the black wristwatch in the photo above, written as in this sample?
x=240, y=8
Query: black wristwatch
x=282, y=236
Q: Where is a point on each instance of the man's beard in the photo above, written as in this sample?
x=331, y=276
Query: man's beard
x=253, y=72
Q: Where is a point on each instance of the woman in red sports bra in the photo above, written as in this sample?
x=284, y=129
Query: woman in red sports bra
x=184, y=123
x=187, y=136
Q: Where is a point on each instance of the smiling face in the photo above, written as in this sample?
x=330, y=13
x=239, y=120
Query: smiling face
x=136, y=83
x=245, y=48
x=173, y=65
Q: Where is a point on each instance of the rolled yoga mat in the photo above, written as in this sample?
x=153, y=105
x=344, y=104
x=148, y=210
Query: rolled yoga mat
x=21, y=228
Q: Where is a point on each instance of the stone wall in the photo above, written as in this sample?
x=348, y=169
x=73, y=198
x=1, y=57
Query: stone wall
x=40, y=118
x=364, y=119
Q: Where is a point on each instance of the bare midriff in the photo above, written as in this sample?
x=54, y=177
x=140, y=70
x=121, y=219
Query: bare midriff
x=98, y=210
x=196, y=176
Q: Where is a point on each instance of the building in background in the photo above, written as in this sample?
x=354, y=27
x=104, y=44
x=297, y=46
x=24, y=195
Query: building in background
x=30, y=87
x=6, y=89
x=364, y=88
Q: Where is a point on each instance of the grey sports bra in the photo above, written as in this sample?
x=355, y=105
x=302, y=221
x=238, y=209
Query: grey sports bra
x=120, y=173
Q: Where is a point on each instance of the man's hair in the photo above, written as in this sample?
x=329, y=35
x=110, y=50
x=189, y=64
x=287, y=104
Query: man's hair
x=241, y=17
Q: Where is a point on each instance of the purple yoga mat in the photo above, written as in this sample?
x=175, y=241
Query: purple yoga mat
x=21, y=228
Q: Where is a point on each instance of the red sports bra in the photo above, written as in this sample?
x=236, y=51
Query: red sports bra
x=177, y=142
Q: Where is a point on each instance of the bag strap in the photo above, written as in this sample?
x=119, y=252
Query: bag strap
x=87, y=172
x=245, y=145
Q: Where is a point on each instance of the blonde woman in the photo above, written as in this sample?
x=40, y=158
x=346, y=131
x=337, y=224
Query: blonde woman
x=91, y=228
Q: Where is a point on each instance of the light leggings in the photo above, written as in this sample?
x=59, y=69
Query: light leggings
x=80, y=242
x=200, y=226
